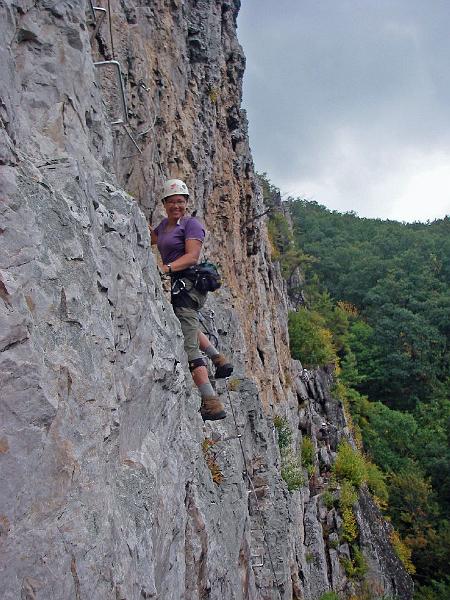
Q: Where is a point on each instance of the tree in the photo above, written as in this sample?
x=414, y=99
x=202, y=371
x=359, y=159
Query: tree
x=310, y=341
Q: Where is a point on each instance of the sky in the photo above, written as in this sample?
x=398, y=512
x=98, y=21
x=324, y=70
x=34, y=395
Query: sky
x=348, y=102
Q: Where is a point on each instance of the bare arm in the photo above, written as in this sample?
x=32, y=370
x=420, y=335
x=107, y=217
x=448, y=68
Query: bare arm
x=190, y=258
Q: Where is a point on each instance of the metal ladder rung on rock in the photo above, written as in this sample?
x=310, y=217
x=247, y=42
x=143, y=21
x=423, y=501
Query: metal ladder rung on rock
x=261, y=558
x=121, y=121
x=97, y=22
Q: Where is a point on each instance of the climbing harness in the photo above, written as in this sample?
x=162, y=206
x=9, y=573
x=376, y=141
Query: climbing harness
x=253, y=491
x=204, y=277
x=178, y=286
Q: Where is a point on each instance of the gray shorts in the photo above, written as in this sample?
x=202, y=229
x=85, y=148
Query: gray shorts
x=189, y=321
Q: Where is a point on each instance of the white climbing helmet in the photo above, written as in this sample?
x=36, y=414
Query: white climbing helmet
x=173, y=187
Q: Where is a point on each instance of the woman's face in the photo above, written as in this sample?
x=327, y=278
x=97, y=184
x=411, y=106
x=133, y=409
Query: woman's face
x=175, y=206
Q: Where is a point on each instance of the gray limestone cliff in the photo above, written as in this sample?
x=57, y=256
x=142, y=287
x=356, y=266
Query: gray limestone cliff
x=109, y=490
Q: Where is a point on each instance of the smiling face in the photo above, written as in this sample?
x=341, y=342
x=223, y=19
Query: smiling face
x=175, y=207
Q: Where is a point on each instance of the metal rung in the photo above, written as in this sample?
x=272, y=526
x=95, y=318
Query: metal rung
x=229, y=438
x=99, y=8
x=123, y=122
x=261, y=564
x=96, y=8
x=131, y=155
x=116, y=64
x=97, y=22
x=142, y=133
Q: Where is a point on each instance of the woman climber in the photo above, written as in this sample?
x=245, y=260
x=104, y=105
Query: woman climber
x=179, y=239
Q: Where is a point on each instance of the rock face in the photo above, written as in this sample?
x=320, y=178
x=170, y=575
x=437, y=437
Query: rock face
x=107, y=482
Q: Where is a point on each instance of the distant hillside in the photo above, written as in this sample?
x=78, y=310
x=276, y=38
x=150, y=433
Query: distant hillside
x=398, y=277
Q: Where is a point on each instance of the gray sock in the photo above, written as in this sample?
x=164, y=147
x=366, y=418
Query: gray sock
x=211, y=352
x=206, y=390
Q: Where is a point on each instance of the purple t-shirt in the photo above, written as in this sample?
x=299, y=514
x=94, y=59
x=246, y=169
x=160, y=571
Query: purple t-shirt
x=171, y=243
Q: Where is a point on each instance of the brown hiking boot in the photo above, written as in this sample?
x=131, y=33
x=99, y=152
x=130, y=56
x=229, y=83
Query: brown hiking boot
x=212, y=409
x=223, y=367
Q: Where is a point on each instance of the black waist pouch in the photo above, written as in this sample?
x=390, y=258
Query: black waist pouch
x=205, y=277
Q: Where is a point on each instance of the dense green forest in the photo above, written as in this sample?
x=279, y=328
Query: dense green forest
x=375, y=301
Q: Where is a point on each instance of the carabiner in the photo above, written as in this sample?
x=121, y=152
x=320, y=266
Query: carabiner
x=178, y=286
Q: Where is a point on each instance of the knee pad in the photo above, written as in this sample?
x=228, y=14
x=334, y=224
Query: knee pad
x=196, y=363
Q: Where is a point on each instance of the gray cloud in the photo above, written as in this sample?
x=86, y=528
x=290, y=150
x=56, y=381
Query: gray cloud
x=350, y=99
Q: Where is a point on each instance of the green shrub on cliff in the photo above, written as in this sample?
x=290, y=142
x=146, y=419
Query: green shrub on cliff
x=291, y=470
x=347, y=499
x=310, y=340
x=308, y=454
x=291, y=465
x=284, y=432
x=350, y=465
x=402, y=551
x=355, y=567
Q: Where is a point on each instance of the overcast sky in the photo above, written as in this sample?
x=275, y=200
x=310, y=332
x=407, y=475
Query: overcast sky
x=349, y=102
